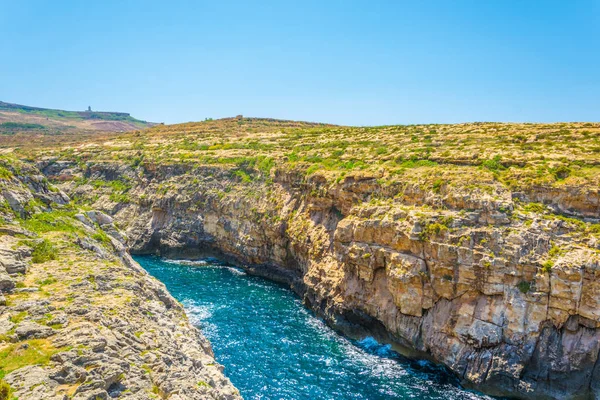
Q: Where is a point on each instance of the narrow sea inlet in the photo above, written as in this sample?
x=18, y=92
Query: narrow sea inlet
x=274, y=348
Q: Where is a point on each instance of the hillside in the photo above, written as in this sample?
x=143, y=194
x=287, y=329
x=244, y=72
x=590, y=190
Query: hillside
x=16, y=119
x=484, y=158
x=476, y=245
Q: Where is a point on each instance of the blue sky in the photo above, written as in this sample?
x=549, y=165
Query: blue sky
x=347, y=62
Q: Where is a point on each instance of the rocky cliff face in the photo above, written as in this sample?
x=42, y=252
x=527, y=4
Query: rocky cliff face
x=504, y=292
x=80, y=319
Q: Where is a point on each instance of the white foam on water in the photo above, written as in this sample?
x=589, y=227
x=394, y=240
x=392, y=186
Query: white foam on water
x=317, y=324
x=199, y=316
x=376, y=358
x=367, y=360
x=236, y=270
x=187, y=262
x=206, y=263
x=197, y=313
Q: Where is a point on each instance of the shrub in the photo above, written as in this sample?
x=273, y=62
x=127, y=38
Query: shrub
x=446, y=220
x=524, y=286
x=437, y=185
x=433, y=229
x=547, y=265
x=535, y=208
x=5, y=173
x=561, y=172
x=555, y=251
x=5, y=390
x=43, y=251
x=243, y=175
x=494, y=164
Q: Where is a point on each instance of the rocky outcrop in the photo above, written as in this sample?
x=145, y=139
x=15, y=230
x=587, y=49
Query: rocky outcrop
x=79, y=318
x=506, y=298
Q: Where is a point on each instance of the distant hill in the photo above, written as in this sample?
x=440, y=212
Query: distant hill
x=16, y=118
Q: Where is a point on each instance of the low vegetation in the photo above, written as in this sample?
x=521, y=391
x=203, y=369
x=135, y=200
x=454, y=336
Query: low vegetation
x=496, y=155
x=485, y=160
x=12, y=127
x=31, y=352
x=44, y=251
x=5, y=391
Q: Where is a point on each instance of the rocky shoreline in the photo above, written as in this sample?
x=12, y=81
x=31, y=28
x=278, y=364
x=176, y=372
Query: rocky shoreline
x=79, y=318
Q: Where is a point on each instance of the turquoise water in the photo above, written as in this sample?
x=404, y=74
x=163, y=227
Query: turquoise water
x=274, y=348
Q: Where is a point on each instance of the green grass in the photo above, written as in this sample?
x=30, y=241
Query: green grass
x=102, y=237
x=15, y=356
x=48, y=281
x=52, y=221
x=243, y=175
x=265, y=164
x=119, y=189
x=415, y=163
x=581, y=226
x=20, y=126
x=120, y=197
x=5, y=173
x=16, y=318
x=116, y=185
x=538, y=208
x=312, y=169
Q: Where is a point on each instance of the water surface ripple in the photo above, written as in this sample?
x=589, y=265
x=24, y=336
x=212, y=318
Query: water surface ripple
x=274, y=348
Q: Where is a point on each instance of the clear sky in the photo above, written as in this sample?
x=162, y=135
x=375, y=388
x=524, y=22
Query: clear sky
x=346, y=62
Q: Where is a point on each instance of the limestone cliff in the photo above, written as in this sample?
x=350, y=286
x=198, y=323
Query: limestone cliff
x=80, y=319
x=506, y=297
x=476, y=245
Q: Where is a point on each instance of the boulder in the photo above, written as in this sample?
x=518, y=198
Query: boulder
x=31, y=330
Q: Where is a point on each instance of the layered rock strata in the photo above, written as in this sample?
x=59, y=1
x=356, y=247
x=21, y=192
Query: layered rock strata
x=79, y=318
x=506, y=297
